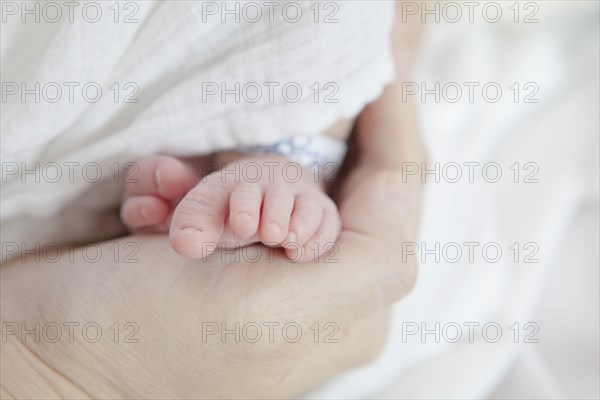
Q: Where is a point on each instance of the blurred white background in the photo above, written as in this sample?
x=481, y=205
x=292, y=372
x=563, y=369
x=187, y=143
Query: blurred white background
x=557, y=52
x=544, y=55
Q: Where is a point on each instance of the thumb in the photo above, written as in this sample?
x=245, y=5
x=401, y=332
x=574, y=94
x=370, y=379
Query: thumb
x=373, y=212
x=375, y=205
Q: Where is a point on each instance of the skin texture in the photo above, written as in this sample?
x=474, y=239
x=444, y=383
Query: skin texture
x=225, y=209
x=170, y=297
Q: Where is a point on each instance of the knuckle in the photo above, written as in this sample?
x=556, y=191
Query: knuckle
x=277, y=192
x=303, y=230
x=245, y=192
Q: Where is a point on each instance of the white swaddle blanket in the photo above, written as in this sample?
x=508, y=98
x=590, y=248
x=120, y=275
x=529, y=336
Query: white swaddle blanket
x=179, y=81
x=171, y=52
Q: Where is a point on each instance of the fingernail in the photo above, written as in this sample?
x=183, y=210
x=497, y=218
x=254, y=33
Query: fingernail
x=244, y=214
x=275, y=227
x=157, y=178
x=143, y=213
x=292, y=237
x=190, y=229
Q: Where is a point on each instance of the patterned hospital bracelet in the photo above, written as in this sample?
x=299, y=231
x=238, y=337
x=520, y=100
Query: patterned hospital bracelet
x=322, y=154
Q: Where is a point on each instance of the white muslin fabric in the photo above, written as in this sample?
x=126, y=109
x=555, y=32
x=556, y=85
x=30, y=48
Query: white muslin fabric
x=108, y=83
x=176, y=54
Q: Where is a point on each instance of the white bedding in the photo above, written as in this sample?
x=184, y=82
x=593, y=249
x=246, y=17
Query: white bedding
x=560, y=293
x=171, y=61
x=169, y=54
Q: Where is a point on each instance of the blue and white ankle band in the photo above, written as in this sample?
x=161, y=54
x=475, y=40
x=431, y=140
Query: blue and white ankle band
x=322, y=154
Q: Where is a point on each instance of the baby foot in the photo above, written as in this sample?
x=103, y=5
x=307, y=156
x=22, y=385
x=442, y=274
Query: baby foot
x=227, y=209
x=296, y=215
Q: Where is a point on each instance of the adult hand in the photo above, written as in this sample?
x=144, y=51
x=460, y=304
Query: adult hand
x=177, y=309
x=175, y=305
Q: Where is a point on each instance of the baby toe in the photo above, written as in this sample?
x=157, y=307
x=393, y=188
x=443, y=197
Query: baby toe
x=244, y=210
x=321, y=242
x=138, y=212
x=306, y=218
x=198, y=221
x=164, y=176
x=277, y=208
